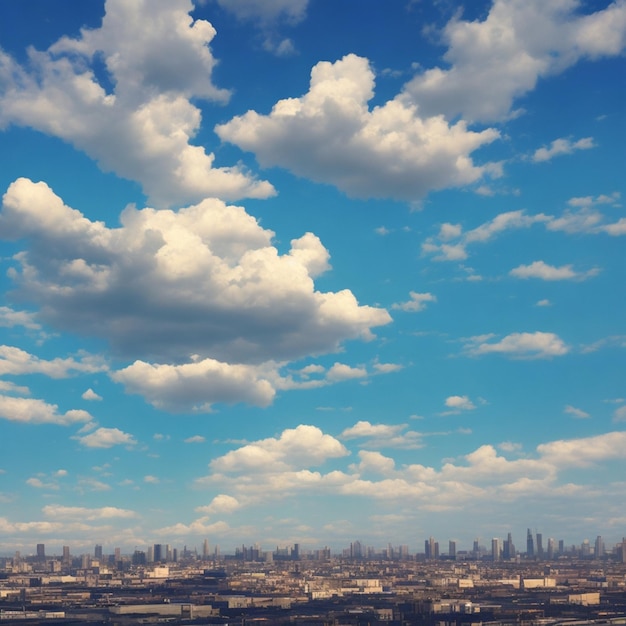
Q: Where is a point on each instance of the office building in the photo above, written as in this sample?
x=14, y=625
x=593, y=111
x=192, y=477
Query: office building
x=41, y=552
x=530, y=544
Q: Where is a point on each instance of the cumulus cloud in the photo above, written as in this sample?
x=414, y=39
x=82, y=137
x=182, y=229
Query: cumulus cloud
x=195, y=439
x=537, y=345
x=296, y=447
x=10, y=317
x=459, y=403
x=106, y=438
x=330, y=135
x=383, y=435
x=203, y=281
x=341, y=371
x=157, y=58
x=221, y=504
x=562, y=146
x=477, y=477
x=90, y=395
x=35, y=411
x=540, y=269
x=417, y=302
x=197, y=385
x=205, y=278
x=16, y=361
x=493, y=61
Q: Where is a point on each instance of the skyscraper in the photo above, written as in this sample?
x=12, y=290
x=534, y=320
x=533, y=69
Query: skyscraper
x=452, y=549
x=495, y=549
x=41, y=552
x=598, y=550
x=66, y=556
x=205, y=550
x=530, y=544
x=539, y=545
x=97, y=552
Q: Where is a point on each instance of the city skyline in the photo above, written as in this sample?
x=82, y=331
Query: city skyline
x=307, y=272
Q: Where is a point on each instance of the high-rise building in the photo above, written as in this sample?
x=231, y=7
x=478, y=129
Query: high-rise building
x=551, y=548
x=508, y=548
x=118, y=555
x=97, y=552
x=539, y=546
x=476, y=549
x=598, y=550
x=452, y=549
x=623, y=550
x=67, y=559
x=205, y=550
x=157, y=553
x=41, y=552
x=495, y=549
x=530, y=544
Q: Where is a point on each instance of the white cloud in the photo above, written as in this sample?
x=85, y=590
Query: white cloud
x=83, y=513
x=195, y=439
x=544, y=302
x=195, y=386
x=205, y=280
x=106, y=438
x=341, y=371
x=90, y=394
x=562, y=146
x=16, y=361
x=37, y=483
x=34, y=411
x=296, y=447
x=494, y=61
x=221, y=504
x=443, y=247
x=460, y=403
x=366, y=429
x=540, y=269
x=158, y=59
x=417, y=302
x=374, y=462
x=331, y=136
x=153, y=480
x=537, y=345
x=384, y=435
x=575, y=412
x=10, y=318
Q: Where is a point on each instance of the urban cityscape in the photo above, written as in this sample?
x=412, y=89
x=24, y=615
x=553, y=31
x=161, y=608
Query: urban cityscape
x=495, y=584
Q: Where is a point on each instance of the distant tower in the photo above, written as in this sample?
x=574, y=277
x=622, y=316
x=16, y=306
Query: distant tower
x=118, y=555
x=551, y=550
x=530, y=545
x=205, y=550
x=540, y=545
x=66, y=556
x=41, y=552
x=598, y=551
x=452, y=549
x=623, y=549
x=476, y=549
x=495, y=549
x=97, y=552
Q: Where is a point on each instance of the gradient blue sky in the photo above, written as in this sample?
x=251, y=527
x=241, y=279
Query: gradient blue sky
x=311, y=271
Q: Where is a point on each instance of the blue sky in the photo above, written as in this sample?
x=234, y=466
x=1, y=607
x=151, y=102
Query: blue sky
x=307, y=271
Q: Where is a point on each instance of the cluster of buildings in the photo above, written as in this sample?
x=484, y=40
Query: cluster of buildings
x=494, y=585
